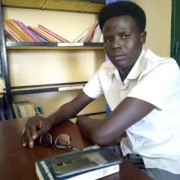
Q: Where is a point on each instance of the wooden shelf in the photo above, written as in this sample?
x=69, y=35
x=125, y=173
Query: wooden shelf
x=52, y=45
x=85, y=6
x=32, y=89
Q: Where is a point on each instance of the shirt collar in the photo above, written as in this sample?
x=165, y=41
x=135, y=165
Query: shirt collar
x=135, y=71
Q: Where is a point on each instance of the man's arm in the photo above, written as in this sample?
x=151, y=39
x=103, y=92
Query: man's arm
x=105, y=132
x=39, y=125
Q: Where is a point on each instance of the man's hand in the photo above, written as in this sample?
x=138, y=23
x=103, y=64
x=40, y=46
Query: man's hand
x=34, y=127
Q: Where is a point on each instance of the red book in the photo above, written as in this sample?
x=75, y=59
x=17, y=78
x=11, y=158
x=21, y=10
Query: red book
x=61, y=39
x=36, y=34
x=91, y=32
x=43, y=34
x=24, y=28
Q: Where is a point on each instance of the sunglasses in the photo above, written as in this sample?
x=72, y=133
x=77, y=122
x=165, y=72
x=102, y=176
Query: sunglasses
x=62, y=141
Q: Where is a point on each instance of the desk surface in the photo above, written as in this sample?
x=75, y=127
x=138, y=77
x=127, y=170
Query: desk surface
x=18, y=163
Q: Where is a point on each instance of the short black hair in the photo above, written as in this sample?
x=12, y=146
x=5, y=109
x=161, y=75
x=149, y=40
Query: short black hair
x=121, y=8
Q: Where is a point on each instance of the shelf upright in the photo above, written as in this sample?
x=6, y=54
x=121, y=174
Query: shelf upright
x=5, y=68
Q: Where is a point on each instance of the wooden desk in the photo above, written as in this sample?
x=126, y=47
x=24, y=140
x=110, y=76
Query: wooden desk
x=18, y=163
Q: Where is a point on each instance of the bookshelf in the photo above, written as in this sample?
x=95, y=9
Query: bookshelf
x=61, y=5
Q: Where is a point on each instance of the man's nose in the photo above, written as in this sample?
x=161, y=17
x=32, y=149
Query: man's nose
x=117, y=43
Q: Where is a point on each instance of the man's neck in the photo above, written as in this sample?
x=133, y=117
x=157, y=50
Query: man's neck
x=123, y=72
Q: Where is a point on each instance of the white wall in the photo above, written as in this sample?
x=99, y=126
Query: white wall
x=158, y=25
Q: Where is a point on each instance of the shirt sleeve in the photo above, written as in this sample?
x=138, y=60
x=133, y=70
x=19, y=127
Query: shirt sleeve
x=93, y=87
x=158, y=86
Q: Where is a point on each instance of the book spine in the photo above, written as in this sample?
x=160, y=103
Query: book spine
x=27, y=31
x=91, y=32
x=22, y=109
x=36, y=34
x=82, y=35
x=52, y=33
x=16, y=110
x=97, y=35
x=30, y=109
x=10, y=37
x=13, y=26
x=21, y=28
x=44, y=34
x=13, y=33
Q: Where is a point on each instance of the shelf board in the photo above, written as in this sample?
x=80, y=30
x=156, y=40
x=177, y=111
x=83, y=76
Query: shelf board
x=85, y=6
x=52, y=45
x=32, y=89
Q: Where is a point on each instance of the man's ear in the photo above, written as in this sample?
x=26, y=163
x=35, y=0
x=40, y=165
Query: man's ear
x=143, y=37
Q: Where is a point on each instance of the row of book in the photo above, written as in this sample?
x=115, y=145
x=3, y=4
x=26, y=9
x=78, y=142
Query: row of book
x=26, y=109
x=18, y=31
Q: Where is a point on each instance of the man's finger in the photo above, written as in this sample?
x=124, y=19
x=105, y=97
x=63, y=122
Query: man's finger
x=34, y=130
x=27, y=138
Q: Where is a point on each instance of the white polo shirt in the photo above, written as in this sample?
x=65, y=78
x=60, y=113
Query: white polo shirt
x=156, y=80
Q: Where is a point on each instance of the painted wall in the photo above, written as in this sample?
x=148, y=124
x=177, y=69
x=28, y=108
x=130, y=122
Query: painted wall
x=158, y=25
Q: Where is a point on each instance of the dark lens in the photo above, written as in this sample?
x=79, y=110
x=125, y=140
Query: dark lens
x=45, y=139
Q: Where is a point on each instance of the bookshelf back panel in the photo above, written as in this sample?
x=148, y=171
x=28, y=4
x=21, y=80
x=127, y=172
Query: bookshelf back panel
x=52, y=66
x=53, y=100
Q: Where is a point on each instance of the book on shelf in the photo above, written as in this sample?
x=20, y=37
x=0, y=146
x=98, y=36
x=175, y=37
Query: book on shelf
x=37, y=35
x=19, y=32
x=16, y=110
x=24, y=109
x=12, y=34
x=82, y=35
x=97, y=36
x=79, y=164
x=26, y=30
x=43, y=34
x=58, y=37
x=10, y=37
x=13, y=26
x=91, y=32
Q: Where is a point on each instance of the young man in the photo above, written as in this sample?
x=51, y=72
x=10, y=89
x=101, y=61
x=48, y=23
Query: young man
x=142, y=90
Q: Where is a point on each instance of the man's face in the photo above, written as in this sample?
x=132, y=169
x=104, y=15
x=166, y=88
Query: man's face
x=123, y=40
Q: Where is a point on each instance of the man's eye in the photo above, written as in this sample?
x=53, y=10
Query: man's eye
x=124, y=36
x=107, y=40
